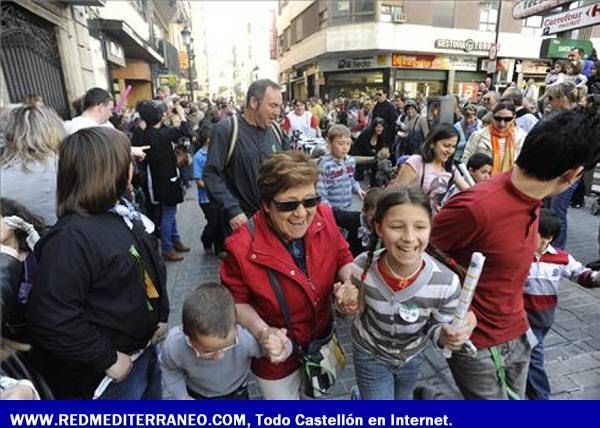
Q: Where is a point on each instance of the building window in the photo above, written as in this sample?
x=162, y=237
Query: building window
x=443, y=14
x=488, y=16
x=348, y=12
x=140, y=6
x=532, y=26
x=392, y=13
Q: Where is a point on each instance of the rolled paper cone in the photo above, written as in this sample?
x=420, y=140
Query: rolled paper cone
x=123, y=99
x=466, y=295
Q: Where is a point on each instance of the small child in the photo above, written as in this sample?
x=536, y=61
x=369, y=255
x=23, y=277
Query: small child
x=385, y=169
x=212, y=239
x=406, y=297
x=336, y=182
x=575, y=75
x=479, y=166
x=541, y=295
x=209, y=356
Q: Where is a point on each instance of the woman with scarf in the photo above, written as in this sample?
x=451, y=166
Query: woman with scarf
x=501, y=140
x=99, y=303
x=466, y=126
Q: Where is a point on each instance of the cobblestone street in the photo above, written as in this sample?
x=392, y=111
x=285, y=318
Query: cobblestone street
x=572, y=346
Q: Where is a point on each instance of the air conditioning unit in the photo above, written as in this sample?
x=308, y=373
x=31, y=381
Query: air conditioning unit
x=399, y=17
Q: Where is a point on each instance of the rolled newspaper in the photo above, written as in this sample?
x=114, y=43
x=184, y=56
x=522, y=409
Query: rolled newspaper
x=107, y=380
x=466, y=295
x=465, y=173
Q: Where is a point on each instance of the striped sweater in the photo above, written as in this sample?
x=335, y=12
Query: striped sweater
x=336, y=182
x=395, y=326
x=541, y=287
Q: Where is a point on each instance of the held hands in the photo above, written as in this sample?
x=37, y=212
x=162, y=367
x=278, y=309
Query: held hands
x=238, y=221
x=276, y=344
x=346, y=297
x=453, y=338
x=362, y=194
x=121, y=368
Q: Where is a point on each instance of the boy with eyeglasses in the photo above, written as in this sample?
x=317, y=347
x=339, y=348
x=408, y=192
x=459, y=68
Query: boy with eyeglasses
x=209, y=356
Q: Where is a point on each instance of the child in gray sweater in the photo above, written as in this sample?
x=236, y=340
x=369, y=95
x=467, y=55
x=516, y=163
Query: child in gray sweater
x=209, y=356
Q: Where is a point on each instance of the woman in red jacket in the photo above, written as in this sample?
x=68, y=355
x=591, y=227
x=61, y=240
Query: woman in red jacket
x=297, y=239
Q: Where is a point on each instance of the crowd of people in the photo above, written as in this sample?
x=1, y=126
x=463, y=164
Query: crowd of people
x=89, y=218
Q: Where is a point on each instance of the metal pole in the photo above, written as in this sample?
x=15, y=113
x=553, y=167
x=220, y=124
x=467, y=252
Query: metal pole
x=190, y=73
x=498, y=20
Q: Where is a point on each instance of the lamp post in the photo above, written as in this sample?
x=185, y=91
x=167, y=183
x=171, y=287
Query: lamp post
x=186, y=37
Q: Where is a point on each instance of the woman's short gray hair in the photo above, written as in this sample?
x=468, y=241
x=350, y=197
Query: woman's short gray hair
x=32, y=134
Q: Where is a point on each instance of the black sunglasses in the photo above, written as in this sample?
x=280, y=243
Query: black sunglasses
x=379, y=94
x=287, y=206
x=503, y=119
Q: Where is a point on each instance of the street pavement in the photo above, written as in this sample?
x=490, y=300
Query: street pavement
x=572, y=346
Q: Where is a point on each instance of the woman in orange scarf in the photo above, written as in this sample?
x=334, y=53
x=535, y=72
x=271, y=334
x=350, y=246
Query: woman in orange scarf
x=502, y=139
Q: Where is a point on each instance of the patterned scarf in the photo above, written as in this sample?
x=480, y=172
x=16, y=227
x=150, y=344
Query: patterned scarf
x=502, y=161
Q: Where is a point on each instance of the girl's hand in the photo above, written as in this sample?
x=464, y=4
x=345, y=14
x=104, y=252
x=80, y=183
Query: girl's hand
x=346, y=296
x=453, y=338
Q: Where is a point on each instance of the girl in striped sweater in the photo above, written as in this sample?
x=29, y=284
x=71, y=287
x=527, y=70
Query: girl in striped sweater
x=403, y=298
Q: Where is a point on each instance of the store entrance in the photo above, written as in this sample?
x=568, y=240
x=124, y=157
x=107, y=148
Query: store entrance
x=426, y=82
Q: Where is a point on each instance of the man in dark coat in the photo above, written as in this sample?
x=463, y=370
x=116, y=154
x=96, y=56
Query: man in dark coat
x=164, y=182
x=385, y=110
x=231, y=173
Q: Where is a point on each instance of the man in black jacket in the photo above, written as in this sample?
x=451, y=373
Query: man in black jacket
x=230, y=173
x=385, y=110
x=164, y=182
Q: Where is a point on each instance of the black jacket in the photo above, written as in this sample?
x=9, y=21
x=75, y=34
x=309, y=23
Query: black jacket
x=166, y=184
x=90, y=300
x=234, y=186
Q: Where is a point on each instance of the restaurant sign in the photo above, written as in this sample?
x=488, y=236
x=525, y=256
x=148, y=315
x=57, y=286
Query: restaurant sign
x=468, y=45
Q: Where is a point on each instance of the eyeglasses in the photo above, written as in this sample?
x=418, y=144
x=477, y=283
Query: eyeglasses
x=210, y=354
x=503, y=119
x=379, y=94
x=288, y=206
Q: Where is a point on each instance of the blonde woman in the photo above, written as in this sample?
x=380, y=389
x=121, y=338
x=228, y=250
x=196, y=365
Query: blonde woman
x=28, y=163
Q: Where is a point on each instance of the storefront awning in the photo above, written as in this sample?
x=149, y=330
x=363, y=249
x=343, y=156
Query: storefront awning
x=133, y=45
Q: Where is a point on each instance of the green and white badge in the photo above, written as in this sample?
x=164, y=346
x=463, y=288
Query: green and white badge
x=408, y=312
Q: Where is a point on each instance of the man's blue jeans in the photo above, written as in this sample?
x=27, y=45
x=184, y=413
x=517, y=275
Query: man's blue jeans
x=538, y=386
x=560, y=204
x=168, y=227
x=380, y=380
x=142, y=383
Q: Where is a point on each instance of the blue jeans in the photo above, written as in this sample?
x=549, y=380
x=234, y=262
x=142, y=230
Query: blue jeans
x=168, y=227
x=142, y=383
x=538, y=386
x=559, y=204
x=380, y=380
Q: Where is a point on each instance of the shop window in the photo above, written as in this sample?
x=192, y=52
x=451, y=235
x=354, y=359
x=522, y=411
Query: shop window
x=488, y=16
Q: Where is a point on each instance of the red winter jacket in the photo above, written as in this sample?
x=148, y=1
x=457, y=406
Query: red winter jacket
x=309, y=299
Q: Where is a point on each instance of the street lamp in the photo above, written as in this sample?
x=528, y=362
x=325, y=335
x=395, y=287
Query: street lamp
x=186, y=37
